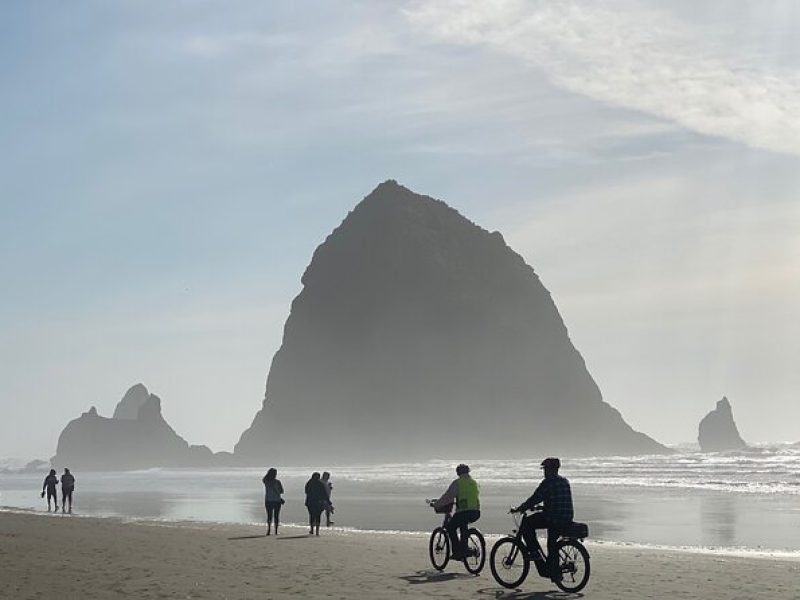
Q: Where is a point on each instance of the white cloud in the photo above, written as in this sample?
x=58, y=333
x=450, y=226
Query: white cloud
x=625, y=56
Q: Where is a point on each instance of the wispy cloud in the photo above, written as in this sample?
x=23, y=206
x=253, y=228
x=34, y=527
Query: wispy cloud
x=639, y=59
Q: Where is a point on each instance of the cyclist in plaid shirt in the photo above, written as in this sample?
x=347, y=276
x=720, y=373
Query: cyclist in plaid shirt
x=555, y=494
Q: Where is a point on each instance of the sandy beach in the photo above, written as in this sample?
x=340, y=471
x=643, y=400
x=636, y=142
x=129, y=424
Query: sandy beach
x=86, y=558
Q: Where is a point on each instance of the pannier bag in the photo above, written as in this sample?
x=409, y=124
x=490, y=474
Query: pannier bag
x=577, y=530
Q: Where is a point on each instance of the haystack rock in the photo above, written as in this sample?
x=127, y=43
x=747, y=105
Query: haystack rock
x=417, y=334
x=718, y=431
x=137, y=437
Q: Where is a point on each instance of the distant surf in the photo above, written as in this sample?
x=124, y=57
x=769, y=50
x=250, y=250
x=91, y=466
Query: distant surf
x=746, y=501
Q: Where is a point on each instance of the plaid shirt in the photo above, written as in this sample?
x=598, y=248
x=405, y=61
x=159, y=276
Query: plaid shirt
x=557, y=497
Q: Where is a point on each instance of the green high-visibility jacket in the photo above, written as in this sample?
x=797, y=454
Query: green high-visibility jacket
x=468, y=497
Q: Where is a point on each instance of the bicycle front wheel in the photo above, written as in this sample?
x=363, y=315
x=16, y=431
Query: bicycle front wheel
x=475, y=558
x=573, y=561
x=509, y=562
x=439, y=548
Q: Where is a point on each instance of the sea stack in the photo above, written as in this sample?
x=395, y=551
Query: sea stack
x=418, y=334
x=136, y=437
x=718, y=431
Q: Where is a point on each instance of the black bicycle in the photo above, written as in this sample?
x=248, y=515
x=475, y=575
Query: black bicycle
x=439, y=545
x=511, y=559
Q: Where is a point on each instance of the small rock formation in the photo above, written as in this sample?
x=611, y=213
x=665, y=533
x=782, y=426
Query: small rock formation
x=34, y=466
x=136, y=437
x=419, y=334
x=718, y=431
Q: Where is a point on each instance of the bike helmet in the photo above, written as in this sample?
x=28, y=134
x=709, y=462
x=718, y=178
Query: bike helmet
x=462, y=469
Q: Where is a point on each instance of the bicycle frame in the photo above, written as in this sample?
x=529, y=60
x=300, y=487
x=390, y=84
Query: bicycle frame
x=536, y=555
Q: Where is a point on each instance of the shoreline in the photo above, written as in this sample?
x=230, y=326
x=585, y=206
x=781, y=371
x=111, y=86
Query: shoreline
x=91, y=558
x=721, y=551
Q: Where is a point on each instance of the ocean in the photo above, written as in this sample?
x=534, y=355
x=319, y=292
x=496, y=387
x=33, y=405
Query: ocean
x=724, y=502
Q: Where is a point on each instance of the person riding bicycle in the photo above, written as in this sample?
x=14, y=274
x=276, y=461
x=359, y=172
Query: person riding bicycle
x=555, y=494
x=465, y=493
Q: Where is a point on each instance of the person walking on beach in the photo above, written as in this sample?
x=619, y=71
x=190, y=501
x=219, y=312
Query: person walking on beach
x=67, y=487
x=465, y=493
x=316, y=498
x=49, y=485
x=555, y=494
x=326, y=481
x=272, y=498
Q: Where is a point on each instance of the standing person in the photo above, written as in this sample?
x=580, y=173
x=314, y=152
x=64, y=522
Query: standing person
x=465, y=493
x=326, y=481
x=272, y=498
x=50, y=483
x=67, y=487
x=316, y=497
x=555, y=494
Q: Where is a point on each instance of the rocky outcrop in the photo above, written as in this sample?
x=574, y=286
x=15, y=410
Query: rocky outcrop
x=418, y=334
x=127, y=440
x=718, y=431
x=132, y=401
x=33, y=466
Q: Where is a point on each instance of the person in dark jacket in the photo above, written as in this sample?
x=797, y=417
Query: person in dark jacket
x=272, y=498
x=50, y=484
x=555, y=494
x=316, y=500
x=67, y=488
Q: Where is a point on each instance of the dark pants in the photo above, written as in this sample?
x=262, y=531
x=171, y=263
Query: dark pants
x=66, y=494
x=539, y=521
x=314, y=516
x=273, y=511
x=459, y=522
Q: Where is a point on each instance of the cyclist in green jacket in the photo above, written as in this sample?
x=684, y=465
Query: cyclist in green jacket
x=465, y=494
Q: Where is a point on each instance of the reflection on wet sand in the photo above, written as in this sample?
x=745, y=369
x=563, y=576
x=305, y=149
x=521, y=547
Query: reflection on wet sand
x=719, y=519
x=638, y=514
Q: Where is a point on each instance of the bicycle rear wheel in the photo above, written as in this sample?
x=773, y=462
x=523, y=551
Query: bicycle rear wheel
x=475, y=558
x=573, y=561
x=439, y=548
x=509, y=562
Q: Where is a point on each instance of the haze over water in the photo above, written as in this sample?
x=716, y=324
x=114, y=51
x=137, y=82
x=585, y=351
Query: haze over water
x=730, y=501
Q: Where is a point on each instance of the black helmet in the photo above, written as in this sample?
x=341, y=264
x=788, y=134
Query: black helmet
x=551, y=463
x=462, y=469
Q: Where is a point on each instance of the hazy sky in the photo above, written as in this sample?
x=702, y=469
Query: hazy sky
x=168, y=168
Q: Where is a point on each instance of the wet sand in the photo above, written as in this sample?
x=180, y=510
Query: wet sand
x=84, y=558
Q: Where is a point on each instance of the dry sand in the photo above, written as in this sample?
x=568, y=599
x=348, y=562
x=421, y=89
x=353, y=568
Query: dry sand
x=83, y=558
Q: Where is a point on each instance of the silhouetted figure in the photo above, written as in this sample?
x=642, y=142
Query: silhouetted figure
x=316, y=498
x=555, y=494
x=67, y=487
x=49, y=485
x=465, y=493
x=272, y=499
x=326, y=481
